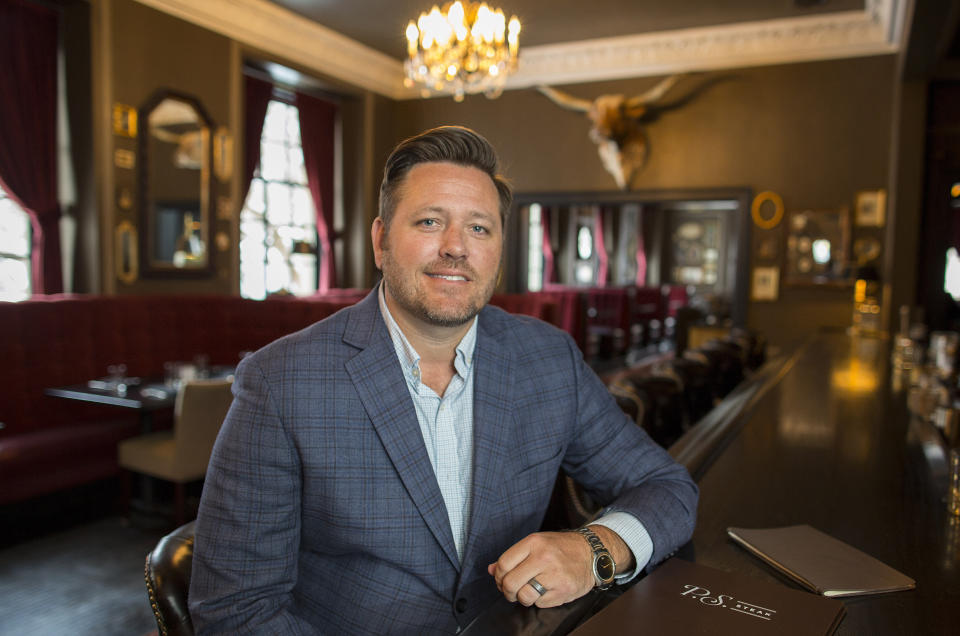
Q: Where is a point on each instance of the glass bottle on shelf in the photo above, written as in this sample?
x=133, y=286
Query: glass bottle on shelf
x=867, y=294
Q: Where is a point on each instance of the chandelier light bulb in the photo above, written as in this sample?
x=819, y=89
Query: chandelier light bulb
x=413, y=35
x=457, y=21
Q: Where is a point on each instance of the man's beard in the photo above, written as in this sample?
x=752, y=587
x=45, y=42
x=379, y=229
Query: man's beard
x=414, y=301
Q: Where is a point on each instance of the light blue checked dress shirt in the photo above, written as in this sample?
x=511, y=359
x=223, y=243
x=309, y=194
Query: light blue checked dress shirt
x=445, y=422
x=447, y=426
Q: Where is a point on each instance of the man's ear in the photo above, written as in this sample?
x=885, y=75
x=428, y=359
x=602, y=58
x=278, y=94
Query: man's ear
x=377, y=234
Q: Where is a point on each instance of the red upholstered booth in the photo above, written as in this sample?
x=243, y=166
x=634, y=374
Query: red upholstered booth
x=530, y=304
x=47, y=443
x=586, y=311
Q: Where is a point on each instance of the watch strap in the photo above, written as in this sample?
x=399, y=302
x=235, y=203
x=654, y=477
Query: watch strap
x=596, y=544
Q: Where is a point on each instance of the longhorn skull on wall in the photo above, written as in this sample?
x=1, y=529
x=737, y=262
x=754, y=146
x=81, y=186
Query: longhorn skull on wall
x=617, y=123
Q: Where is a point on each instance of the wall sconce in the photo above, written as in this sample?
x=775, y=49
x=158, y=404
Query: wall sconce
x=126, y=255
x=223, y=154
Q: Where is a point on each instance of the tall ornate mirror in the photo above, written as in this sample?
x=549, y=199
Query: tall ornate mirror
x=175, y=159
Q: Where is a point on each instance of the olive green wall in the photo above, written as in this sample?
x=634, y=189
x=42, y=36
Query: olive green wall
x=815, y=133
x=148, y=51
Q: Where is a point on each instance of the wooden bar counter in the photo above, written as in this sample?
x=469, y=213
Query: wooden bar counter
x=820, y=438
x=832, y=445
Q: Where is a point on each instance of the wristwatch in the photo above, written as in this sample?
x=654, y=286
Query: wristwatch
x=604, y=566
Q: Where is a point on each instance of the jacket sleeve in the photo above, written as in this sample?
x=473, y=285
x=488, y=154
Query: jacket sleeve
x=248, y=526
x=624, y=469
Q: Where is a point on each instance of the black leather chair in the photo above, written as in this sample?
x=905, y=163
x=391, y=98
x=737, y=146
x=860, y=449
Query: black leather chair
x=665, y=418
x=753, y=345
x=726, y=362
x=697, y=389
x=167, y=574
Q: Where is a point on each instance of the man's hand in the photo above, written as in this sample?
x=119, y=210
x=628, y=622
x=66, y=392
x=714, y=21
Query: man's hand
x=562, y=562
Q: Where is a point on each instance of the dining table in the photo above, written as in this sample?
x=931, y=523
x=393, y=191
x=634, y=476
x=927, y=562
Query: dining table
x=147, y=398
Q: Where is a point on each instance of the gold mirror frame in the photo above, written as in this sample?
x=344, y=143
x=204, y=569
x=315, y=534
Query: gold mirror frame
x=175, y=166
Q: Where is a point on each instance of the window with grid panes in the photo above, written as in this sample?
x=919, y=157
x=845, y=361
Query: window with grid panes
x=278, y=227
x=15, y=246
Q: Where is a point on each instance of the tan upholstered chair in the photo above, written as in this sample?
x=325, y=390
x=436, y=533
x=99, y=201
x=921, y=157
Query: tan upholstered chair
x=181, y=455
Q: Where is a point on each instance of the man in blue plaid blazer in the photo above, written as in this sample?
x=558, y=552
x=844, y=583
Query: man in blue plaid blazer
x=387, y=470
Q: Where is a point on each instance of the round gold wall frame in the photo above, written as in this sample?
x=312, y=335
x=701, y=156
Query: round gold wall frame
x=755, y=210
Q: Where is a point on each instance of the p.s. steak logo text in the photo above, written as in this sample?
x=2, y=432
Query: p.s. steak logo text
x=726, y=601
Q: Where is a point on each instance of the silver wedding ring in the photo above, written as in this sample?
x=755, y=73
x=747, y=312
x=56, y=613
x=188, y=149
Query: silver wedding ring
x=535, y=584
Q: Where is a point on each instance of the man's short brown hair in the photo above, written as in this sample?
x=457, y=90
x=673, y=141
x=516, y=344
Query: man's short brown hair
x=450, y=144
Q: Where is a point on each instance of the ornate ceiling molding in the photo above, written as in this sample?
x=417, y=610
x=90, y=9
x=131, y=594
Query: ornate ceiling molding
x=274, y=30
x=873, y=31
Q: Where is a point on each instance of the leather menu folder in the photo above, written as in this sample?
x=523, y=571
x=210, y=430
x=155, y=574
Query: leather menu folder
x=686, y=598
x=819, y=562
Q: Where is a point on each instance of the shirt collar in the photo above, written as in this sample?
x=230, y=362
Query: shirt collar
x=408, y=356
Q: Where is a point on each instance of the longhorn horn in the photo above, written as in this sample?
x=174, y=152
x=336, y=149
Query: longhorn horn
x=657, y=92
x=565, y=100
x=693, y=93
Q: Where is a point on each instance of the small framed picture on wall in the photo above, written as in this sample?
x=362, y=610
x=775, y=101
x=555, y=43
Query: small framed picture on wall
x=871, y=208
x=124, y=120
x=817, y=247
x=765, y=284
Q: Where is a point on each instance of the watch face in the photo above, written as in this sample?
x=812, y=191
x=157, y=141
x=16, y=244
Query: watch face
x=604, y=567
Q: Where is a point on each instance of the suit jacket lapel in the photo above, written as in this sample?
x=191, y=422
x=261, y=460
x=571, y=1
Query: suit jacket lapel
x=493, y=420
x=383, y=391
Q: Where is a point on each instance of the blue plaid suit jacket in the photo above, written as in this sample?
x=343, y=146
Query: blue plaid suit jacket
x=321, y=512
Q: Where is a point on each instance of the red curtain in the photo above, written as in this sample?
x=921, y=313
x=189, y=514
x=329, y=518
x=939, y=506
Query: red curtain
x=257, y=95
x=546, y=247
x=641, y=252
x=28, y=129
x=599, y=245
x=318, y=119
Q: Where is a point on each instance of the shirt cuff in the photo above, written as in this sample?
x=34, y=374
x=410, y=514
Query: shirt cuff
x=634, y=535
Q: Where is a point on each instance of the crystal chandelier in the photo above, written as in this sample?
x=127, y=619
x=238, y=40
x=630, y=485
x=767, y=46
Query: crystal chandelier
x=465, y=48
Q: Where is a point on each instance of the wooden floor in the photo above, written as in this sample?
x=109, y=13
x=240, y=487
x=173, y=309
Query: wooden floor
x=72, y=565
